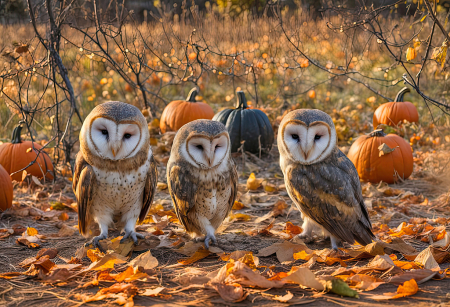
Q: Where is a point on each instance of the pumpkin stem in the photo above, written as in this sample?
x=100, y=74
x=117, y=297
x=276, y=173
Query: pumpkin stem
x=192, y=94
x=242, y=101
x=16, y=139
x=399, y=97
x=378, y=132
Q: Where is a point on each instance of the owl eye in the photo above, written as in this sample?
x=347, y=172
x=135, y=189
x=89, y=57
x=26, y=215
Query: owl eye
x=295, y=136
x=199, y=147
x=317, y=137
x=217, y=146
x=127, y=135
x=105, y=132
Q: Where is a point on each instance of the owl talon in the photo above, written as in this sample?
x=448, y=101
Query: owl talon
x=134, y=236
x=208, y=238
x=96, y=243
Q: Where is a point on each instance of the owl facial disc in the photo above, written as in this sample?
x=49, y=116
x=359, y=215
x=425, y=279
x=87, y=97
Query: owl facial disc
x=308, y=144
x=205, y=151
x=114, y=141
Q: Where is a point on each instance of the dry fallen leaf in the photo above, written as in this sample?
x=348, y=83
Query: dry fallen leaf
x=420, y=276
x=198, y=255
x=285, y=298
x=253, y=183
x=233, y=293
x=238, y=272
x=238, y=205
x=385, y=149
x=145, y=260
x=152, y=292
x=292, y=230
x=304, y=277
x=364, y=282
x=426, y=259
x=409, y=288
x=285, y=251
x=107, y=262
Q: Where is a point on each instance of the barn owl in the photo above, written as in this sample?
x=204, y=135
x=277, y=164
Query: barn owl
x=321, y=181
x=202, y=177
x=115, y=174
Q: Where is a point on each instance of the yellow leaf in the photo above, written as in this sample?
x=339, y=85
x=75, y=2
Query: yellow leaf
x=240, y=217
x=253, y=183
x=440, y=53
x=161, y=186
x=268, y=187
x=411, y=54
x=31, y=231
x=238, y=205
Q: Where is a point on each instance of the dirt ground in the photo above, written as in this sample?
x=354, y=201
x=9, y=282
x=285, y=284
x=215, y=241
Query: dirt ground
x=386, y=206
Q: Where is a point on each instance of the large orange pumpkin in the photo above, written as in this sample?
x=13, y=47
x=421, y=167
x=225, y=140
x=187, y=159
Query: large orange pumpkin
x=180, y=112
x=395, y=112
x=18, y=154
x=6, y=190
x=389, y=167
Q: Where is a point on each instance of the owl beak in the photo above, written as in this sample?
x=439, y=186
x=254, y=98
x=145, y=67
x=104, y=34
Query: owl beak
x=114, y=150
x=307, y=150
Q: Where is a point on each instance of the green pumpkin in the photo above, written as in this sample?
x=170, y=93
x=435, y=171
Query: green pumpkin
x=249, y=125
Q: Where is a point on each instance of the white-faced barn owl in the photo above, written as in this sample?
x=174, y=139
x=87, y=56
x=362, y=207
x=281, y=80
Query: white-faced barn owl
x=202, y=177
x=115, y=174
x=321, y=180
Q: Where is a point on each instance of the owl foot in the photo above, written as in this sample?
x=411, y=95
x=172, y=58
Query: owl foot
x=96, y=242
x=334, y=243
x=134, y=236
x=211, y=237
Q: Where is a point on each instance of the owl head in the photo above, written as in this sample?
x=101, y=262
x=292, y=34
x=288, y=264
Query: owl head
x=205, y=144
x=306, y=136
x=114, y=130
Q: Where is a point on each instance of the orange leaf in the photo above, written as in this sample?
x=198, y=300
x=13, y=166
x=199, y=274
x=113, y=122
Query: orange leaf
x=409, y=288
x=94, y=254
x=198, y=255
x=292, y=230
x=64, y=216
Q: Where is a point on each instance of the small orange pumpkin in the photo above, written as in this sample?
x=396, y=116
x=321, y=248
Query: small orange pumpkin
x=395, y=112
x=6, y=191
x=18, y=154
x=180, y=112
x=389, y=167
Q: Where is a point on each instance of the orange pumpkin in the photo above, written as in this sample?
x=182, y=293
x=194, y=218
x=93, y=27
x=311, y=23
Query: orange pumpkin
x=6, y=192
x=388, y=167
x=395, y=112
x=180, y=112
x=18, y=154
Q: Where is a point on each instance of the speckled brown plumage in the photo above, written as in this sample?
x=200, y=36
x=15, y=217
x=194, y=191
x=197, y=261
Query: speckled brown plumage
x=200, y=194
x=114, y=192
x=327, y=190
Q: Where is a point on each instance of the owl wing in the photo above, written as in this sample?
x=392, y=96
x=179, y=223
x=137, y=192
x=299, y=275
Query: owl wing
x=183, y=192
x=234, y=180
x=330, y=194
x=149, y=189
x=83, y=184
